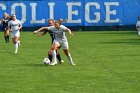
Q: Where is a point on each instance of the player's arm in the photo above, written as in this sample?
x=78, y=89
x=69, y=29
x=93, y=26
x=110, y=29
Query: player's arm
x=43, y=33
x=9, y=26
x=2, y=20
x=20, y=26
x=69, y=31
x=41, y=29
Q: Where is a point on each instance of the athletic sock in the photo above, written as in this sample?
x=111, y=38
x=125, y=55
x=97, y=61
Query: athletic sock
x=5, y=38
x=8, y=38
x=70, y=58
x=18, y=43
x=58, y=57
x=54, y=55
x=50, y=57
x=16, y=47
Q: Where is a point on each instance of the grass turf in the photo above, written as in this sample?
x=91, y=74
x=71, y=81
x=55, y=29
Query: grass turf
x=106, y=62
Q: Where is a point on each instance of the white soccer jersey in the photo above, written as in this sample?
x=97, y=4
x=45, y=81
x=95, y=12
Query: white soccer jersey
x=138, y=25
x=14, y=25
x=59, y=34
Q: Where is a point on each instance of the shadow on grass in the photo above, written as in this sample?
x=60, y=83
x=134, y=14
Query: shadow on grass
x=35, y=65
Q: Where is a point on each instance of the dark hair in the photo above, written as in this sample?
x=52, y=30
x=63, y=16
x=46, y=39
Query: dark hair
x=13, y=15
x=138, y=17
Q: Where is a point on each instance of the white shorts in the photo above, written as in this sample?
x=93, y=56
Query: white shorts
x=63, y=44
x=139, y=33
x=15, y=33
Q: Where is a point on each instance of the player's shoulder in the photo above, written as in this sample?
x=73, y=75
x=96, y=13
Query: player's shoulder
x=10, y=21
x=63, y=27
x=17, y=20
x=138, y=22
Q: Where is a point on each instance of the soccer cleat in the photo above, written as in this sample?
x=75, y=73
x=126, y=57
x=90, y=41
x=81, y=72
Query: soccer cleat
x=53, y=63
x=62, y=61
x=15, y=52
x=73, y=64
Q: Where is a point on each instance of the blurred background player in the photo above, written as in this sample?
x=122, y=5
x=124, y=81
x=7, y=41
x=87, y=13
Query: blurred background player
x=14, y=27
x=138, y=26
x=59, y=40
x=4, y=21
x=51, y=23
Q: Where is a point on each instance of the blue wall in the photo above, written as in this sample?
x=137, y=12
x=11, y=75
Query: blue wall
x=78, y=12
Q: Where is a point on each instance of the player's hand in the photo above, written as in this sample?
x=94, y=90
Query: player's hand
x=35, y=32
x=71, y=35
x=10, y=30
x=18, y=28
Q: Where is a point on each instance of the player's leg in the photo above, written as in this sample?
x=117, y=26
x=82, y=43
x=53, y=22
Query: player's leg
x=66, y=51
x=50, y=55
x=7, y=35
x=59, y=56
x=16, y=43
x=54, y=48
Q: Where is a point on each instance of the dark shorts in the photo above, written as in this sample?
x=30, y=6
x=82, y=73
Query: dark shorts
x=4, y=28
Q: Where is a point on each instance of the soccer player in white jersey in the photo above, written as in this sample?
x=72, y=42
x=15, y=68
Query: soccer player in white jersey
x=138, y=26
x=14, y=27
x=59, y=40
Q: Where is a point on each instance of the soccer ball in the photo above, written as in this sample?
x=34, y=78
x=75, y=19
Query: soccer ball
x=46, y=61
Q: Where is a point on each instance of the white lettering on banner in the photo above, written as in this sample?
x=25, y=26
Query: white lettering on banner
x=72, y=15
x=3, y=6
x=33, y=6
x=109, y=12
x=87, y=12
x=51, y=5
x=23, y=7
x=70, y=12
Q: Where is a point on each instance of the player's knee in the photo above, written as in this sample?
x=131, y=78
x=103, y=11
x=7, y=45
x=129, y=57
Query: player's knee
x=50, y=52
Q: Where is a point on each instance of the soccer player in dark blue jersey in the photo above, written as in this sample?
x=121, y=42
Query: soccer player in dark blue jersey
x=51, y=23
x=4, y=21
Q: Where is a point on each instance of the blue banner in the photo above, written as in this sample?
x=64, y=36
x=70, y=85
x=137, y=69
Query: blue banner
x=77, y=12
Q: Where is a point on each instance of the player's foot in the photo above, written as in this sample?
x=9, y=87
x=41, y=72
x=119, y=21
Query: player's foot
x=15, y=52
x=73, y=64
x=53, y=63
x=62, y=61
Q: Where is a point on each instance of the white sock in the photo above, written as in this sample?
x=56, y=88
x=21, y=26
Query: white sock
x=70, y=58
x=54, y=55
x=16, y=46
x=19, y=42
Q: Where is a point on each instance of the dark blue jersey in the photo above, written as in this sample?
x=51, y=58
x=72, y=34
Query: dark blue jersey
x=5, y=23
x=51, y=34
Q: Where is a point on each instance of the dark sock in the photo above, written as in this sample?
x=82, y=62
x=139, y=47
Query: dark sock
x=5, y=38
x=50, y=57
x=8, y=38
x=58, y=56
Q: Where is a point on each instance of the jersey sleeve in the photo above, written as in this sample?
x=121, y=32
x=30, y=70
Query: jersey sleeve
x=63, y=27
x=9, y=23
x=50, y=28
x=19, y=22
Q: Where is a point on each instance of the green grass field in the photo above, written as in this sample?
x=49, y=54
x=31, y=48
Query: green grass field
x=106, y=62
